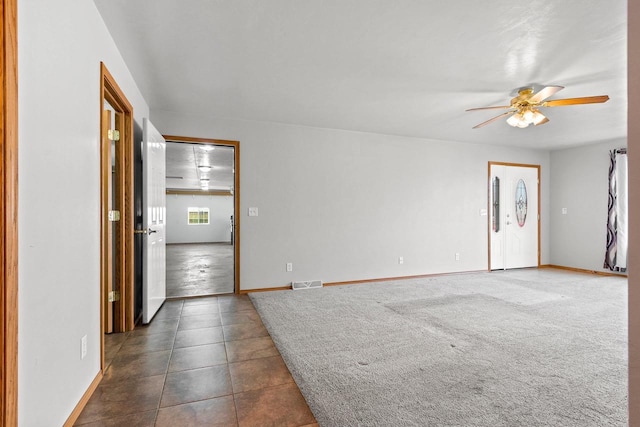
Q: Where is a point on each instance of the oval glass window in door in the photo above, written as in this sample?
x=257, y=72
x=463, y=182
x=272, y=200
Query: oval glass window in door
x=521, y=203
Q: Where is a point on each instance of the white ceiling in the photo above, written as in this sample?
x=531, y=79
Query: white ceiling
x=403, y=67
x=187, y=164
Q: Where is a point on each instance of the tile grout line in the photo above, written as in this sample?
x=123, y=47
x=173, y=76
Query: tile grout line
x=164, y=383
x=233, y=395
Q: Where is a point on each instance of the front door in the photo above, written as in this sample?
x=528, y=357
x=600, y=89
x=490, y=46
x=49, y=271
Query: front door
x=153, y=219
x=514, y=218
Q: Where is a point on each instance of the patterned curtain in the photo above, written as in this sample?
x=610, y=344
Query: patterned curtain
x=616, y=256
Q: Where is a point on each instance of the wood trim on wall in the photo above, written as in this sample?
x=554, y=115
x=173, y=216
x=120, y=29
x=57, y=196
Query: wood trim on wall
x=419, y=276
x=522, y=165
x=124, y=309
x=9, y=216
x=583, y=270
x=75, y=414
x=387, y=279
x=365, y=281
x=277, y=288
x=236, y=191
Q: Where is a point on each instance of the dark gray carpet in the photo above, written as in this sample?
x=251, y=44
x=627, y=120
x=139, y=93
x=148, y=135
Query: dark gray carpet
x=515, y=348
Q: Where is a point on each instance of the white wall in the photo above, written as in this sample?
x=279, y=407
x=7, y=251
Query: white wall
x=218, y=229
x=580, y=184
x=634, y=212
x=345, y=205
x=61, y=44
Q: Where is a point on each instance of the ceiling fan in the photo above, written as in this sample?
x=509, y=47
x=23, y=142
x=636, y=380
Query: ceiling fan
x=523, y=109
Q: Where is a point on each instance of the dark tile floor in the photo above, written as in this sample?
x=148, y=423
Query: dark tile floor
x=200, y=362
x=197, y=269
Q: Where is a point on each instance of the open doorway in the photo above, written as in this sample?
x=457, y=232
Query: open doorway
x=116, y=220
x=202, y=203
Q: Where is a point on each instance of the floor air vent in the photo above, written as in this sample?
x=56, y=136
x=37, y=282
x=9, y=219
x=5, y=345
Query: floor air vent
x=312, y=284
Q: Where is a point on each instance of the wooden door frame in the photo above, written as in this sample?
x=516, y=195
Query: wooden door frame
x=9, y=216
x=522, y=165
x=236, y=192
x=124, y=309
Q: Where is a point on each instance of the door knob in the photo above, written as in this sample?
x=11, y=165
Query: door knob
x=144, y=231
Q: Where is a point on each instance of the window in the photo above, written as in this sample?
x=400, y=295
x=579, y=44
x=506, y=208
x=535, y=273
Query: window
x=198, y=216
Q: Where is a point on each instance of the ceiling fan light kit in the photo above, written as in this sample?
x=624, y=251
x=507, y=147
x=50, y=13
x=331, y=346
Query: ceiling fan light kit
x=524, y=108
x=529, y=116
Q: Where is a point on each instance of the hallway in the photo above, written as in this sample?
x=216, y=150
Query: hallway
x=202, y=361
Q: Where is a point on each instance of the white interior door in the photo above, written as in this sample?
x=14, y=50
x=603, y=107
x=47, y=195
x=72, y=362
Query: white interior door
x=514, y=221
x=153, y=219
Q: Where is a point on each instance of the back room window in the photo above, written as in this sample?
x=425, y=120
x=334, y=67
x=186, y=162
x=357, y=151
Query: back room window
x=198, y=216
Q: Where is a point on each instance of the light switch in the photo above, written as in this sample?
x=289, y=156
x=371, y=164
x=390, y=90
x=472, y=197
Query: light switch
x=483, y=212
x=253, y=211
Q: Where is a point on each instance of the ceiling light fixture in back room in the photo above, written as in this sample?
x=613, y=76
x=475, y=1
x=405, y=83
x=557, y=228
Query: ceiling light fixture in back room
x=524, y=108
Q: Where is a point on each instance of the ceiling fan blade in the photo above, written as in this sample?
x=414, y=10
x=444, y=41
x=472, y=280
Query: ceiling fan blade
x=500, y=107
x=544, y=94
x=541, y=122
x=493, y=119
x=576, y=101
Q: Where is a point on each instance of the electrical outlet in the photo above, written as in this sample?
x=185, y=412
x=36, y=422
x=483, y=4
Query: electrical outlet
x=457, y=256
x=401, y=260
x=83, y=346
x=253, y=211
x=564, y=211
x=289, y=266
